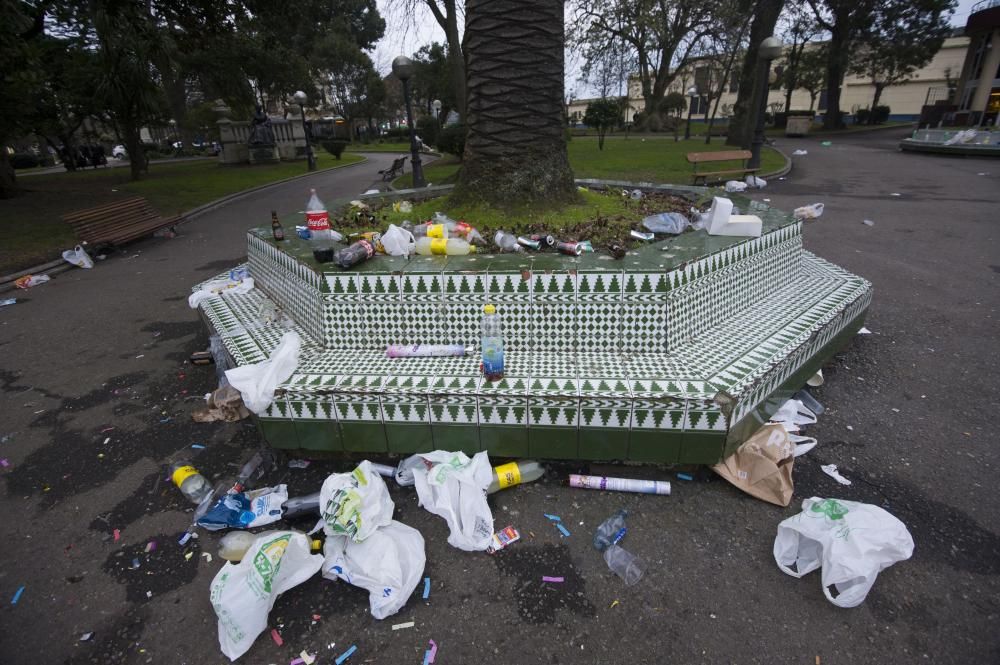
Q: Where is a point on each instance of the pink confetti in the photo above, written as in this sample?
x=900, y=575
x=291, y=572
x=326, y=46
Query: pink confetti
x=150, y=546
x=4, y=463
x=276, y=636
x=297, y=661
x=546, y=578
x=432, y=652
x=118, y=535
x=106, y=429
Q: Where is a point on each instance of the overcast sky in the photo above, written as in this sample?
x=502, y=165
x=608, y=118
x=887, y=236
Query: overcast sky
x=405, y=34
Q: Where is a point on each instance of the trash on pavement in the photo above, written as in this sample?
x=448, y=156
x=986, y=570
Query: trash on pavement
x=556, y=580
x=17, y=595
x=246, y=510
x=685, y=476
x=398, y=242
x=864, y=331
x=624, y=564
x=850, y=542
x=451, y=485
x=868, y=222
x=347, y=654
x=831, y=470
x=755, y=182
x=257, y=381
x=799, y=153
x=299, y=464
x=425, y=350
x=733, y=186
x=502, y=538
x=402, y=206
x=610, y=531
x=29, y=281
x=8, y=301
x=236, y=284
x=809, y=401
x=792, y=414
x=803, y=444
x=192, y=484
x=78, y=256
x=224, y=403
x=816, y=380
x=388, y=563
x=762, y=466
x=276, y=636
x=244, y=593
x=427, y=588
x=563, y=530
x=808, y=212
x=86, y=637
x=431, y=653
x=354, y=504
x=666, y=222
x=515, y=473
x=619, y=484
x=640, y=235
x=826, y=143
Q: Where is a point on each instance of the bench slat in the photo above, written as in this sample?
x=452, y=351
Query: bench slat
x=118, y=222
x=721, y=156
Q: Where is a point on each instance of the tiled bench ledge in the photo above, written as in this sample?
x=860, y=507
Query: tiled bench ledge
x=691, y=401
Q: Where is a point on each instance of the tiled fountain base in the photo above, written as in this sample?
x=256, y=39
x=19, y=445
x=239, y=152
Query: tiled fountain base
x=672, y=355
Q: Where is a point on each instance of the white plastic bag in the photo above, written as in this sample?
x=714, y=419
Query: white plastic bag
x=243, y=593
x=792, y=414
x=398, y=241
x=454, y=487
x=388, y=564
x=852, y=542
x=735, y=186
x=218, y=287
x=78, y=256
x=257, y=382
x=799, y=153
x=808, y=212
x=354, y=504
x=753, y=182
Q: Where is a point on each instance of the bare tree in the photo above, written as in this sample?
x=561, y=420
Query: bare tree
x=515, y=151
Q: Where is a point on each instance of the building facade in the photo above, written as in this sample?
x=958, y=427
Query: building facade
x=978, y=99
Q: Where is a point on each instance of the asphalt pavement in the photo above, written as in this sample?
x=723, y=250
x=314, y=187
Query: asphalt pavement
x=96, y=396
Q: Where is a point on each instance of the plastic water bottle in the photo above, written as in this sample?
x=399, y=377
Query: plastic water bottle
x=492, y=343
x=320, y=234
x=610, y=531
x=515, y=473
x=507, y=242
x=451, y=246
x=301, y=505
x=234, y=545
x=428, y=230
x=192, y=484
x=624, y=564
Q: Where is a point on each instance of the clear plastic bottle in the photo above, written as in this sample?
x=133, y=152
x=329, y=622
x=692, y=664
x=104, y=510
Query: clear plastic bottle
x=492, y=344
x=610, y=531
x=450, y=246
x=192, y=484
x=301, y=505
x=429, y=230
x=320, y=234
x=624, y=564
x=234, y=545
x=515, y=473
x=507, y=242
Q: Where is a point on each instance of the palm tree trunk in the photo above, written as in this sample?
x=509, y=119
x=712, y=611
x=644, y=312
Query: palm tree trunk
x=515, y=151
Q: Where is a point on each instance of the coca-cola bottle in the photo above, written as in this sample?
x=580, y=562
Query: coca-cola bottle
x=320, y=234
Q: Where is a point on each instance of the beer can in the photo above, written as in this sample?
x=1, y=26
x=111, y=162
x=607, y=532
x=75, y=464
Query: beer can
x=639, y=235
x=571, y=248
x=541, y=237
x=529, y=243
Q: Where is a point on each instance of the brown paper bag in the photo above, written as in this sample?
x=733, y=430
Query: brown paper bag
x=225, y=404
x=762, y=466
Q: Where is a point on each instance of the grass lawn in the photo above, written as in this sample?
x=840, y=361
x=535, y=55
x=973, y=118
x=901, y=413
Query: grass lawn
x=31, y=231
x=379, y=147
x=636, y=159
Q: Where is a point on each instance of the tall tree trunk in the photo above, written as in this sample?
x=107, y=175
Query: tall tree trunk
x=836, y=66
x=515, y=151
x=136, y=154
x=8, y=180
x=744, y=119
x=875, y=100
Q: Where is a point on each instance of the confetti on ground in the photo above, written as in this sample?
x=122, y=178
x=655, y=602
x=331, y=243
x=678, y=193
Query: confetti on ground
x=118, y=535
x=165, y=420
x=186, y=536
x=86, y=637
x=297, y=661
x=427, y=587
x=4, y=463
x=17, y=596
x=150, y=546
x=276, y=636
x=107, y=440
x=685, y=476
x=563, y=529
x=317, y=617
x=188, y=555
x=208, y=557
x=401, y=626
x=431, y=653
x=546, y=578
x=197, y=446
x=554, y=518
x=135, y=563
x=347, y=654
x=307, y=657
x=298, y=463
x=613, y=603
x=149, y=594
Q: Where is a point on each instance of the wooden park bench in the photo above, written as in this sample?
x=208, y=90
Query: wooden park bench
x=393, y=171
x=118, y=223
x=697, y=158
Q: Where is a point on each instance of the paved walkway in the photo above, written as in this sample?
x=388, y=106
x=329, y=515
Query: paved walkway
x=909, y=419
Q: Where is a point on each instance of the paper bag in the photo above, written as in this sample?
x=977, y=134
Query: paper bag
x=762, y=466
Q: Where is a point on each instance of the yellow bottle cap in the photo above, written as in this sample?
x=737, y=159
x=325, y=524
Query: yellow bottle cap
x=317, y=545
x=490, y=309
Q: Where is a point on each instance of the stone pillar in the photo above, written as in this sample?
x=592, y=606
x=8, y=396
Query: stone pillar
x=231, y=152
x=990, y=65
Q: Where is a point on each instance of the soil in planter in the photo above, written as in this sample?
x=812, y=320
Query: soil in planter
x=605, y=218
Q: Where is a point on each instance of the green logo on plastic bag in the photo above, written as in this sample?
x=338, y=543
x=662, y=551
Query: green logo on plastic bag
x=343, y=512
x=832, y=508
x=267, y=560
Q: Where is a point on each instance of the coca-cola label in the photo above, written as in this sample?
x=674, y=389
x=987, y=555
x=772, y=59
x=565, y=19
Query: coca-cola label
x=318, y=220
x=369, y=247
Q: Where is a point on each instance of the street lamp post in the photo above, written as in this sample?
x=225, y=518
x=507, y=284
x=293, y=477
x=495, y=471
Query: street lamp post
x=300, y=98
x=692, y=95
x=402, y=67
x=769, y=49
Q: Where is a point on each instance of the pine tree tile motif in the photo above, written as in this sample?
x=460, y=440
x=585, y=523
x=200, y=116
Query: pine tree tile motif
x=553, y=413
x=509, y=286
x=453, y=410
x=553, y=287
x=503, y=410
x=405, y=409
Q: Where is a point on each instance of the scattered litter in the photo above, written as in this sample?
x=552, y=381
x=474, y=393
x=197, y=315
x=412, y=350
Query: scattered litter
x=78, y=256
x=809, y=401
x=755, y=182
x=308, y=658
x=431, y=653
x=850, y=429
x=197, y=446
x=685, y=476
x=276, y=636
x=245, y=510
x=188, y=555
x=799, y=153
x=223, y=404
x=427, y=588
x=4, y=462
x=850, y=542
x=554, y=518
x=735, y=186
x=29, y=281
x=501, y=539
x=816, y=380
x=106, y=429
x=809, y=212
x=831, y=470
x=762, y=465
x=827, y=143
x=17, y=595
x=165, y=420
x=897, y=411
x=619, y=484
x=149, y=594
x=895, y=194
x=257, y=381
x=344, y=656
x=135, y=563
x=185, y=537
x=557, y=580
x=208, y=557
x=453, y=486
x=562, y=529
x=983, y=173
x=401, y=626
x=150, y=546
x=868, y=222
x=864, y=331
x=86, y=637
x=8, y=301
x=299, y=464
x=117, y=534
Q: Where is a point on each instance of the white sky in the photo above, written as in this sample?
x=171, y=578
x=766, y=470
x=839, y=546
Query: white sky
x=404, y=35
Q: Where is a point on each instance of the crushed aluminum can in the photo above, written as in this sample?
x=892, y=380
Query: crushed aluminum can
x=586, y=246
x=639, y=235
x=570, y=248
x=541, y=237
x=529, y=243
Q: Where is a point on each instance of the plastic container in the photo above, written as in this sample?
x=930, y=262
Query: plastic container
x=301, y=505
x=492, y=344
x=515, y=473
x=354, y=254
x=610, y=531
x=666, y=222
x=624, y=564
x=234, y=545
x=318, y=223
x=192, y=484
x=619, y=484
x=507, y=242
x=451, y=246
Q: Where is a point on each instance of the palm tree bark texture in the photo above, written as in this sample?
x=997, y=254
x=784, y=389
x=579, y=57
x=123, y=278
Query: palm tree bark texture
x=515, y=151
